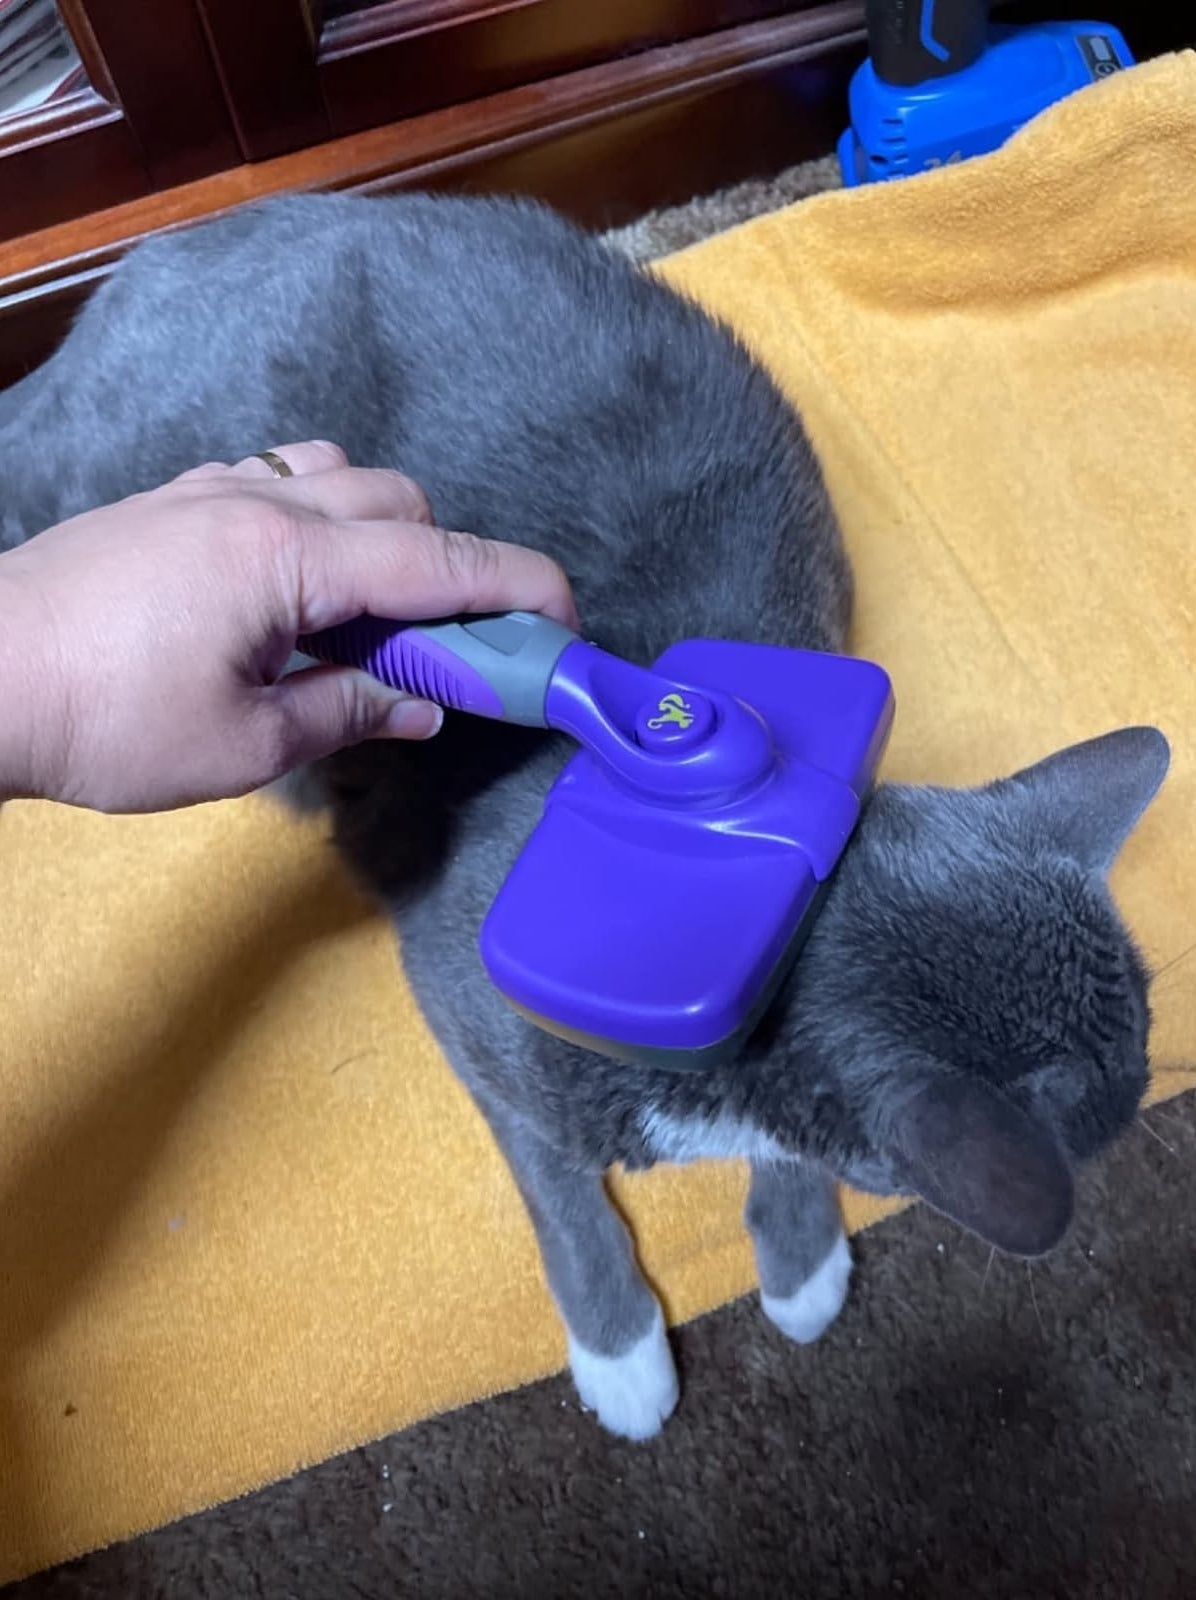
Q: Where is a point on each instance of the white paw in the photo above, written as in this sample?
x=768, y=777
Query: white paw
x=811, y=1309
x=632, y=1393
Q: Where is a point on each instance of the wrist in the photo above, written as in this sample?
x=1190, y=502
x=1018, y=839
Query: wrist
x=29, y=723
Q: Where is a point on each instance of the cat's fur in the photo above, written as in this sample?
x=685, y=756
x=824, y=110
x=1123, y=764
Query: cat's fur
x=969, y=1017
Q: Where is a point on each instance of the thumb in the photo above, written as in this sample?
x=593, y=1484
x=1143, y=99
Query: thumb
x=324, y=709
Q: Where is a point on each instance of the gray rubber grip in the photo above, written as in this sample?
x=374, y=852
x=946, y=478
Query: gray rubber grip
x=497, y=666
x=516, y=653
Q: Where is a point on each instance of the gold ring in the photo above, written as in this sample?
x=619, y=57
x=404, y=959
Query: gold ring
x=275, y=462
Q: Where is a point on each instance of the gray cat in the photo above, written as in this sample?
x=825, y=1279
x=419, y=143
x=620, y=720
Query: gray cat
x=969, y=1018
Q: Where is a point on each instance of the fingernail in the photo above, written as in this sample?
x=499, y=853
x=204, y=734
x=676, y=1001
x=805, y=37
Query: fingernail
x=413, y=719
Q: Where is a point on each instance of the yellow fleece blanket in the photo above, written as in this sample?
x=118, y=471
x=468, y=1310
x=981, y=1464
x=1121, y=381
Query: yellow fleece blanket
x=247, y=1217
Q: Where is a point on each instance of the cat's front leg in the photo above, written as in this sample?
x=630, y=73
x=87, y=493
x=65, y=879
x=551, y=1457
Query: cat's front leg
x=802, y=1255
x=618, y=1349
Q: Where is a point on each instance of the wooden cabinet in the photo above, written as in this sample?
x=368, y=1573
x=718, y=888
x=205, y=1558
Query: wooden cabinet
x=146, y=110
x=175, y=109
x=602, y=107
x=174, y=90
x=360, y=63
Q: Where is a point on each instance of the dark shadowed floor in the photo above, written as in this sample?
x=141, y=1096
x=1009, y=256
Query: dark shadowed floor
x=1028, y=1434
x=966, y=1428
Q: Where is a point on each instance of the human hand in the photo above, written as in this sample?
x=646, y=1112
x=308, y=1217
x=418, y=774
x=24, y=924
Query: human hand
x=141, y=645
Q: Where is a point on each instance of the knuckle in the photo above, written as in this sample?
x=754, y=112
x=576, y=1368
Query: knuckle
x=417, y=506
x=265, y=531
x=554, y=574
x=327, y=453
x=274, y=526
x=280, y=744
x=356, y=710
x=207, y=472
x=408, y=500
x=302, y=726
x=469, y=562
x=336, y=709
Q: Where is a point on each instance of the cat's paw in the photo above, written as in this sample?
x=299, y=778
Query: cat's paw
x=632, y=1393
x=810, y=1310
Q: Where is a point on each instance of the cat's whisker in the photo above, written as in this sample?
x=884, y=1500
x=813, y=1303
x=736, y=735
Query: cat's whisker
x=1034, y=1299
x=1155, y=1134
x=1175, y=980
x=1160, y=1112
x=1173, y=962
x=992, y=1255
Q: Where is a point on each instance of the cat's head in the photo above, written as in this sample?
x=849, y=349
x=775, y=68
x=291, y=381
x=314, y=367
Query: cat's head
x=970, y=1016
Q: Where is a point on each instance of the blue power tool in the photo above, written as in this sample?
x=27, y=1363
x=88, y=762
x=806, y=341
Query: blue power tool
x=942, y=84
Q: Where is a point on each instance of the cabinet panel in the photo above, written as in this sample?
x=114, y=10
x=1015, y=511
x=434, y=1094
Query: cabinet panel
x=101, y=102
x=405, y=57
x=266, y=54
x=295, y=70
x=160, y=66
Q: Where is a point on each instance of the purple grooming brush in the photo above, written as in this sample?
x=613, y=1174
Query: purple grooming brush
x=667, y=888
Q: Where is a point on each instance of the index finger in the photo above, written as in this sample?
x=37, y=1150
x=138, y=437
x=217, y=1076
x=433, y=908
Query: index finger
x=409, y=572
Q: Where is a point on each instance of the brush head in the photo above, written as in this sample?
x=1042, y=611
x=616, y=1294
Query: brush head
x=657, y=928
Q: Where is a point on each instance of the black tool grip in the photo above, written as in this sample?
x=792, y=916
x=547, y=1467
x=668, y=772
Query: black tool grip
x=910, y=41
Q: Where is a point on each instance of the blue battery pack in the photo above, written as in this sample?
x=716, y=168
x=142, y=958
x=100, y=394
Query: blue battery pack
x=900, y=129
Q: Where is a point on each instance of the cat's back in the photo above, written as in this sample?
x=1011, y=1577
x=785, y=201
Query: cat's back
x=306, y=306
x=450, y=289
x=466, y=260
x=540, y=388
x=452, y=330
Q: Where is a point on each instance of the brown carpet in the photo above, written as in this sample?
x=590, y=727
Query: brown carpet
x=954, y=1434
x=966, y=1428
x=662, y=232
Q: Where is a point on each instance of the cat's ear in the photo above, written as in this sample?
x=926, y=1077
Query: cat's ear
x=980, y=1160
x=1089, y=797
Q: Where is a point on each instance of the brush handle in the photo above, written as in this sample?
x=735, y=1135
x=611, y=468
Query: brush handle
x=664, y=738
x=498, y=666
